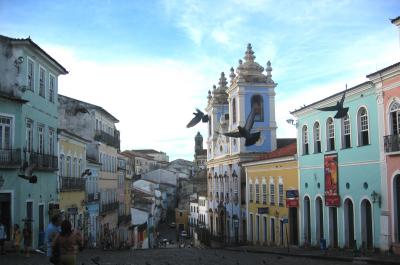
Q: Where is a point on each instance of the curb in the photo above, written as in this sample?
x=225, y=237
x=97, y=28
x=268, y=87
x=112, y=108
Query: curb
x=323, y=257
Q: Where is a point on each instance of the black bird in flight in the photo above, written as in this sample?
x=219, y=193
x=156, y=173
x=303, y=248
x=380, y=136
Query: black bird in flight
x=198, y=116
x=245, y=132
x=28, y=170
x=340, y=110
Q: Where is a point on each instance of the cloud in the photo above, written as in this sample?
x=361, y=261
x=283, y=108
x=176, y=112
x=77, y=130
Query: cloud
x=153, y=100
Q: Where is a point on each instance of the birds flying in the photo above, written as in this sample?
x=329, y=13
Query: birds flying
x=28, y=170
x=340, y=110
x=245, y=132
x=198, y=116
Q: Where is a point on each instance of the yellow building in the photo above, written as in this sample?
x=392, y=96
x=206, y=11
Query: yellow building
x=272, y=198
x=181, y=219
x=72, y=165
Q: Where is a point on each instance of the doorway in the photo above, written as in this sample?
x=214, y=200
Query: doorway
x=319, y=219
x=333, y=227
x=349, y=223
x=5, y=212
x=293, y=227
x=366, y=224
x=307, y=221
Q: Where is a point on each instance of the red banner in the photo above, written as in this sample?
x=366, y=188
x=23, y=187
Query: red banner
x=331, y=180
x=292, y=203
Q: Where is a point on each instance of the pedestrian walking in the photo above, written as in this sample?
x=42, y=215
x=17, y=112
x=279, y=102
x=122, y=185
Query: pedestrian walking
x=27, y=234
x=51, y=231
x=67, y=243
x=17, y=237
x=3, y=237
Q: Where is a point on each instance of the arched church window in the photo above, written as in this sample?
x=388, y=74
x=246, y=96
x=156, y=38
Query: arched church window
x=257, y=104
x=234, y=110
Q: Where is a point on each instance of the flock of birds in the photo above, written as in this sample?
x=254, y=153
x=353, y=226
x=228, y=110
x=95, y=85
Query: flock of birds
x=252, y=138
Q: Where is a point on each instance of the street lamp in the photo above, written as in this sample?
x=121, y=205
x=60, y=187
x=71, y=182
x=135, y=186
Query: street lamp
x=376, y=197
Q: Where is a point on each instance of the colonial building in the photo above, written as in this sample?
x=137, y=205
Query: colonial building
x=229, y=107
x=272, y=198
x=72, y=178
x=28, y=135
x=340, y=171
x=92, y=202
x=387, y=83
x=200, y=154
x=98, y=126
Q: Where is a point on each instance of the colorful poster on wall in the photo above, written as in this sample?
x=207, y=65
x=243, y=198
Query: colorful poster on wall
x=331, y=180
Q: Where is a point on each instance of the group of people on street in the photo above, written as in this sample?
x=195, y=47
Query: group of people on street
x=16, y=237
x=62, y=242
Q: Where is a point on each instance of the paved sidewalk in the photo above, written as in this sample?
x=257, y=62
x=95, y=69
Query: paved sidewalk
x=331, y=254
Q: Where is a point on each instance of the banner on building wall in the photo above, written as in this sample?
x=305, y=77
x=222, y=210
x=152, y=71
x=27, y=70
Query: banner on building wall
x=331, y=180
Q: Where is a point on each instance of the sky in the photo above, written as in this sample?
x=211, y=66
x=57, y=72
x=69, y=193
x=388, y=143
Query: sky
x=151, y=63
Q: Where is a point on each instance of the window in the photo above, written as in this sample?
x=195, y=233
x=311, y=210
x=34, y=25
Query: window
x=42, y=82
x=52, y=86
x=264, y=193
x=41, y=139
x=272, y=192
x=5, y=132
x=29, y=135
x=74, y=167
x=68, y=166
x=257, y=105
x=305, y=140
x=31, y=76
x=395, y=118
x=51, y=141
x=234, y=110
x=79, y=167
x=317, y=138
x=363, y=135
x=61, y=166
x=251, y=192
x=330, y=134
x=346, y=134
x=280, y=191
x=257, y=193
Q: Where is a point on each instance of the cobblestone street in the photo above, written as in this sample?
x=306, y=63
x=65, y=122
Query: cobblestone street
x=173, y=256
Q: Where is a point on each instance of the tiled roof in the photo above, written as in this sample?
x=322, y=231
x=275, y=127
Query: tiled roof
x=288, y=150
x=281, y=142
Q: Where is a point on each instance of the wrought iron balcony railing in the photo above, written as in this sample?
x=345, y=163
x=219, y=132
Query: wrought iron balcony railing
x=43, y=161
x=124, y=218
x=92, y=197
x=106, y=138
x=392, y=143
x=72, y=184
x=10, y=158
x=107, y=207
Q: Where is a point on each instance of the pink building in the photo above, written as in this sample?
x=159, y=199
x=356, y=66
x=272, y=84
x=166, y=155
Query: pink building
x=387, y=82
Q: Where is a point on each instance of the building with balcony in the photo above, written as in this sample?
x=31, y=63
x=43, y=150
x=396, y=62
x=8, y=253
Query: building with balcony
x=92, y=203
x=94, y=123
x=228, y=107
x=272, y=198
x=387, y=83
x=28, y=134
x=72, y=178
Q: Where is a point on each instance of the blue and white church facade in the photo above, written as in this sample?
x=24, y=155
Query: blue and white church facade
x=228, y=107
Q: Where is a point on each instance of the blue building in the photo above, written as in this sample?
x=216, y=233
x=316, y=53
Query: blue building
x=92, y=203
x=28, y=135
x=340, y=171
x=229, y=107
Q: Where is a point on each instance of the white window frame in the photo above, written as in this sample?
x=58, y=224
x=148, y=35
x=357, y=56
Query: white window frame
x=361, y=125
x=330, y=134
x=394, y=108
x=52, y=88
x=306, y=147
x=51, y=141
x=11, y=133
x=264, y=192
x=271, y=191
x=29, y=135
x=281, y=193
x=257, y=193
x=41, y=145
x=30, y=85
x=346, y=130
x=317, y=137
x=42, y=93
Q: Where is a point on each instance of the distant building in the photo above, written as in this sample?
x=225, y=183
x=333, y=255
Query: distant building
x=28, y=135
x=92, y=203
x=200, y=154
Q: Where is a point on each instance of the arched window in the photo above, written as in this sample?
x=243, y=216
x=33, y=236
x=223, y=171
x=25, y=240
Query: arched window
x=264, y=192
x=68, y=166
x=346, y=133
x=234, y=110
x=62, y=165
x=251, y=192
x=280, y=192
x=74, y=168
x=363, y=128
x=395, y=118
x=305, y=140
x=257, y=192
x=330, y=134
x=317, y=138
x=271, y=192
x=258, y=105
